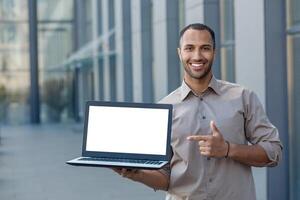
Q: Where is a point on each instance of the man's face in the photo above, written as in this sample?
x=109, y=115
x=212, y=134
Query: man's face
x=196, y=54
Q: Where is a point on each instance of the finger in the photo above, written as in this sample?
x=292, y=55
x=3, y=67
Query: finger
x=118, y=170
x=214, y=129
x=124, y=172
x=205, y=153
x=202, y=143
x=198, y=137
x=213, y=126
x=131, y=173
x=134, y=171
x=203, y=149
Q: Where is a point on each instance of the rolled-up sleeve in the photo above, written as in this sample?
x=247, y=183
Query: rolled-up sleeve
x=259, y=130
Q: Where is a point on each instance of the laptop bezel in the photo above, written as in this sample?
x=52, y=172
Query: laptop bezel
x=165, y=157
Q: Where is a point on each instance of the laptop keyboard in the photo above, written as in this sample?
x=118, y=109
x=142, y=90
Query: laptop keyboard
x=123, y=160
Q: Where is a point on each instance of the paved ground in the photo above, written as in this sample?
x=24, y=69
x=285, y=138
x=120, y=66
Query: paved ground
x=32, y=167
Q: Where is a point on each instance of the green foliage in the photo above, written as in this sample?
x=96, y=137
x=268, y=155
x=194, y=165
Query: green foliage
x=3, y=94
x=54, y=94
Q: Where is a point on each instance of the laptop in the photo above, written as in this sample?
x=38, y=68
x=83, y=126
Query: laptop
x=127, y=135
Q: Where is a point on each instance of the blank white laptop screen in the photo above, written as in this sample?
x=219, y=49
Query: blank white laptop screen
x=127, y=130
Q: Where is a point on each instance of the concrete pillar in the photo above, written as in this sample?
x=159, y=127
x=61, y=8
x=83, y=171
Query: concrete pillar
x=105, y=28
x=160, y=63
x=194, y=11
x=136, y=50
x=119, y=49
x=95, y=48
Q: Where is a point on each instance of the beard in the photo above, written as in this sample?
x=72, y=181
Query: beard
x=196, y=75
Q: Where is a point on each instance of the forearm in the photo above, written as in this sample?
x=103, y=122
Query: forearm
x=153, y=179
x=251, y=155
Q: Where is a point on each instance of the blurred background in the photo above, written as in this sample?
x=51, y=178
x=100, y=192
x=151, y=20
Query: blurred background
x=57, y=54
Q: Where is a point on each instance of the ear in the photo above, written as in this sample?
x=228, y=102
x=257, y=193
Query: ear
x=178, y=51
x=215, y=52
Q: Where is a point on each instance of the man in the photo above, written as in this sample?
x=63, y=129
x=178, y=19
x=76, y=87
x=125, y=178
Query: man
x=213, y=123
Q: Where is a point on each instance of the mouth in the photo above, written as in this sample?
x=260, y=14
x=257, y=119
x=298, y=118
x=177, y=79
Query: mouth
x=197, y=66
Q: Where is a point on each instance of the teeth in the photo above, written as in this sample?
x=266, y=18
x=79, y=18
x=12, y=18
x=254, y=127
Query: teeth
x=197, y=64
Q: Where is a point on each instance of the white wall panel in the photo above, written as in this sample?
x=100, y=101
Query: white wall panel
x=136, y=50
x=160, y=49
x=250, y=63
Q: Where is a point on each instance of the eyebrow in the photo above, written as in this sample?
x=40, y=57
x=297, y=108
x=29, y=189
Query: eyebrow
x=204, y=45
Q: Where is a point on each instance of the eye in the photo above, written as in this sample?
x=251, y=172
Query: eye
x=206, y=48
x=188, y=48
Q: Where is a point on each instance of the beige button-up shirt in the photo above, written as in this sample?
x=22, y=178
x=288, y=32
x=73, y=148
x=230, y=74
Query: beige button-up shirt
x=240, y=118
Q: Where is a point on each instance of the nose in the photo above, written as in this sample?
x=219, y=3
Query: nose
x=197, y=55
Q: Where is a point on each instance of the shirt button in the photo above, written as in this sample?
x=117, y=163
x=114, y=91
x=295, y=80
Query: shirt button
x=201, y=99
x=203, y=117
x=210, y=180
x=208, y=158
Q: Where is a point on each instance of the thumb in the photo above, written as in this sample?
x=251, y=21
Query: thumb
x=214, y=129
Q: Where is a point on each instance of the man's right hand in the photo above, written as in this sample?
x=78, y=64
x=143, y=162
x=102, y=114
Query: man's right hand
x=152, y=178
x=132, y=174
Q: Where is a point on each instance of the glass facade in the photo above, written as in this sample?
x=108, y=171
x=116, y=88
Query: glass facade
x=293, y=57
x=93, y=51
x=14, y=62
x=120, y=50
x=227, y=40
x=55, y=39
x=181, y=17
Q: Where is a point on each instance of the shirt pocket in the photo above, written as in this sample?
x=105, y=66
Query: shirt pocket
x=232, y=128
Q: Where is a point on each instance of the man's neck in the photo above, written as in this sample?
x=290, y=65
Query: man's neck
x=198, y=85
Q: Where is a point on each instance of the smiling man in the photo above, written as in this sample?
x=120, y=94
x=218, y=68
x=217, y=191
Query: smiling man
x=219, y=131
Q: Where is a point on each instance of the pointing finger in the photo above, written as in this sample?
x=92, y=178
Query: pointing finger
x=198, y=137
x=214, y=129
x=213, y=126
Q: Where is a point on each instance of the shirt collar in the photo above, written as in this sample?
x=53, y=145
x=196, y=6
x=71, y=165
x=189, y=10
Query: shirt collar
x=214, y=84
x=185, y=89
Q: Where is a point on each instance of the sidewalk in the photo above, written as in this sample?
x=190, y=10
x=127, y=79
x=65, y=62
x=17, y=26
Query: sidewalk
x=32, y=167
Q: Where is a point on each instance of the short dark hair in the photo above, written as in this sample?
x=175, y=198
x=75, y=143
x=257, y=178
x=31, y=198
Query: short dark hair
x=200, y=27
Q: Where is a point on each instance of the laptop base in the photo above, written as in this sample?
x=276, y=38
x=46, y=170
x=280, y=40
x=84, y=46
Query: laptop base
x=92, y=163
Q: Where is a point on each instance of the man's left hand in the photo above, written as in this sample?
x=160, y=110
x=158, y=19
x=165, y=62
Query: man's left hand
x=212, y=145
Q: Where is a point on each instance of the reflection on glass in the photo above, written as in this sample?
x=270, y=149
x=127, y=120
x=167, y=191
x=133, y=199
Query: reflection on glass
x=55, y=30
x=295, y=14
x=87, y=21
x=85, y=83
x=15, y=10
x=55, y=10
x=227, y=40
x=181, y=13
x=14, y=62
x=57, y=97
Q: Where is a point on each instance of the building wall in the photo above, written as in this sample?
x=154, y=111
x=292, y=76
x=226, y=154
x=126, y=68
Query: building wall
x=125, y=50
x=250, y=63
x=194, y=11
x=152, y=71
x=160, y=68
x=136, y=50
x=119, y=48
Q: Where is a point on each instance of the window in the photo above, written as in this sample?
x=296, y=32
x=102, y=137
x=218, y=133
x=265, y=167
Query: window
x=55, y=40
x=227, y=40
x=14, y=62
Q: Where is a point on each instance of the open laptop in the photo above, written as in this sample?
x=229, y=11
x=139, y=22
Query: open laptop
x=129, y=135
